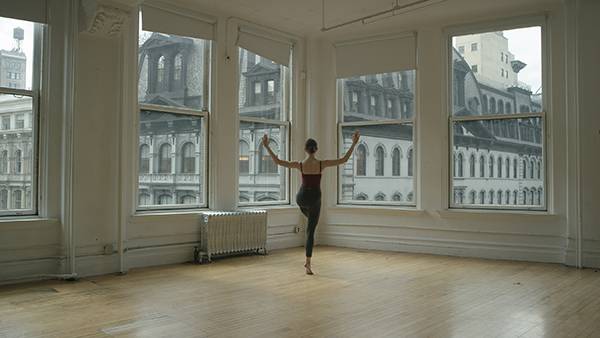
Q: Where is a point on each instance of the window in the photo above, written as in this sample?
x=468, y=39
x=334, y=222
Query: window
x=461, y=49
x=379, y=162
x=3, y=199
x=472, y=166
x=17, y=199
x=500, y=133
x=20, y=122
x=474, y=68
x=396, y=158
x=261, y=180
x=244, y=158
x=474, y=47
x=18, y=162
x=6, y=123
x=173, y=119
x=460, y=165
x=144, y=159
x=188, y=159
x=383, y=126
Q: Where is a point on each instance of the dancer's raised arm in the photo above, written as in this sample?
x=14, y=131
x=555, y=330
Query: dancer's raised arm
x=346, y=157
x=283, y=163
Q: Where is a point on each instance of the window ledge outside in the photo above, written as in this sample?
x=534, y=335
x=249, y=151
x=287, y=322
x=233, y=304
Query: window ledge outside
x=456, y=213
x=413, y=211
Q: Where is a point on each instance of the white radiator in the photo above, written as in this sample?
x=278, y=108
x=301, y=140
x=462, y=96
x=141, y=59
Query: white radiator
x=229, y=232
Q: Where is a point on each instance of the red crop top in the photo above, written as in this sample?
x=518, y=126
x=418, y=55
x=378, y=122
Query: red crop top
x=311, y=180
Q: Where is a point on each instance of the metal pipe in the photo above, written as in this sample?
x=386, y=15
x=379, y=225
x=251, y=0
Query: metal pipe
x=397, y=7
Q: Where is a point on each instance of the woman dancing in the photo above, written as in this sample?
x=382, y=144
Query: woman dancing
x=309, y=195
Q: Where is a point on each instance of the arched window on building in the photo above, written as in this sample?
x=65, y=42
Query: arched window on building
x=484, y=104
x=18, y=162
x=500, y=107
x=539, y=196
x=491, y=166
x=178, y=69
x=396, y=162
x=491, y=196
x=499, y=197
x=4, y=162
x=379, y=163
x=525, y=195
x=492, y=105
x=165, y=199
x=460, y=197
x=361, y=160
x=410, y=197
x=524, y=168
x=266, y=164
x=160, y=72
x=244, y=157
x=144, y=159
x=507, y=108
x=188, y=199
x=17, y=199
x=515, y=197
x=380, y=197
x=482, y=197
x=362, y=197
x=507, y=167
x=397, y=197
x=145, y=199
x=164, y=159
x=481, y=166
x=188, y=159
x=500, y=163
x=410, y=163
x=532, y=193
x=515, y=167
x=460, y=164
x=3, y=199
x=539, y=169
x=472, y=196
x=472, y=165
x=507, y=196
x=531, y=168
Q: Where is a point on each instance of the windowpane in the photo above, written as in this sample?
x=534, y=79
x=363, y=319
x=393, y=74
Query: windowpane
x=495, y=88
x=261, y=180
x=174, y=70
x=172, y=155
x=261, y=87
x=477, y=138
x=379, y=97
x=16, y=53
x=378, y=170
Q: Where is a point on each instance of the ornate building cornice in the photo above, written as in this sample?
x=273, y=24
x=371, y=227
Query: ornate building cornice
x=101, y=19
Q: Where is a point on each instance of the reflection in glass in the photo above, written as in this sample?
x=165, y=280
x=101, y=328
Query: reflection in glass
x=381, y=167
x=491, y=150
x=172, y=153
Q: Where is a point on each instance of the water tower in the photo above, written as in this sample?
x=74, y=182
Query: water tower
x=19, y=36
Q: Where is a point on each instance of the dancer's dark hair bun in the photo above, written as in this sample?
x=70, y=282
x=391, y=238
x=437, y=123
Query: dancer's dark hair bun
x=311, y=146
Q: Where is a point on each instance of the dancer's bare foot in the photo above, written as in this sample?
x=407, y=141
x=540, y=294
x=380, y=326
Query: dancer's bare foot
x=308, y=270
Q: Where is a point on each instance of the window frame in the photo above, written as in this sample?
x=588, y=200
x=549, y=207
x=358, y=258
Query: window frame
x=285, y=121
x=38, y=77
x=413, y=172
x=544, y=115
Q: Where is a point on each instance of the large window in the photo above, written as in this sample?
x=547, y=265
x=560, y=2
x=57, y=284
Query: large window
x=506, y=146
x=20, y=62
x=381, y=107
x=264, y=101
x=173, y=95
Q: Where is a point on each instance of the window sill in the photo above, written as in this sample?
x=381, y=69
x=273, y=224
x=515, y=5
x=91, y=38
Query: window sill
x=163, y=213
x=485, y=213
x=378, y=209
x=26, y=222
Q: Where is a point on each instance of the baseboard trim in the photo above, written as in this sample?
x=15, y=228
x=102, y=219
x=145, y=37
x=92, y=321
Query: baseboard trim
x=489, y=250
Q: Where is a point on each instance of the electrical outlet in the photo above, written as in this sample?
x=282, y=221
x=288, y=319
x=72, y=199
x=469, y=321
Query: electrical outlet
x=108, y=249
x=297, y=229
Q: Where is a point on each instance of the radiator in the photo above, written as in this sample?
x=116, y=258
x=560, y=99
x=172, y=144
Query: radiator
x=230, y=232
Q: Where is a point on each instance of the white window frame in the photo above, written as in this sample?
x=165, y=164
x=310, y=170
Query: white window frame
x=401, y=121
x=203, y=113
x=39, y=33
x=544, y=115
x=285, y=121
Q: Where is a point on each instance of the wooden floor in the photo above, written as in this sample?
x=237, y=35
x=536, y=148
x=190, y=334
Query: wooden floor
x=353, y=294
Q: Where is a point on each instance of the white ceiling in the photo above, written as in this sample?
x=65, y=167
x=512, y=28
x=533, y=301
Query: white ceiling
x=303, y=17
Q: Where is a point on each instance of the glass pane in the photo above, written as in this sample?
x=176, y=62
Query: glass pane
x=16, y=53
x=262, y=87
x=173, y=70
x=261, y=180
x=497, y=72
x=171, y=160
x=382, y=166
x=379, y=97
x=499, y=163
x=17, y=153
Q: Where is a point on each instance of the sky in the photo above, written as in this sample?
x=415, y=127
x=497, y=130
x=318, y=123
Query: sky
x=526, y=45
x=7, y=41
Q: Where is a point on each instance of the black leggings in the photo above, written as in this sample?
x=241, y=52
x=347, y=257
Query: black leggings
x=309, y=200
